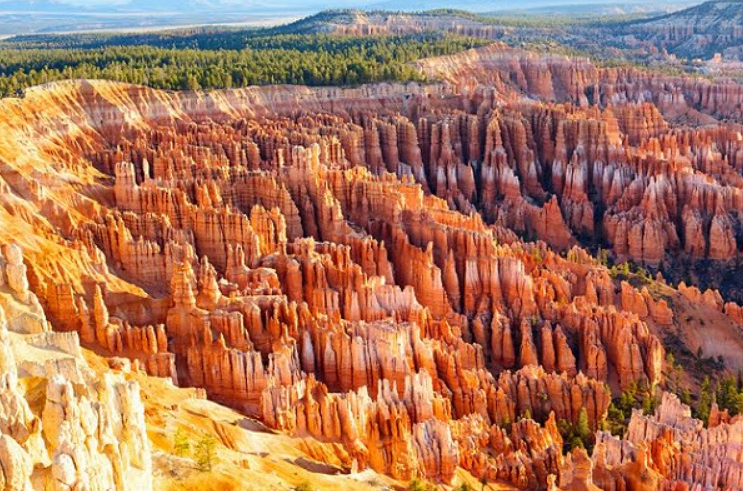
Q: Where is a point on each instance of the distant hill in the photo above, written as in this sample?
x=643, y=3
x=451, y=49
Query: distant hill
x=598, y=9
x=696, y=32
x=595, y=7
x=171, y=5
x=54, y=16
x=420, y=5
x=181, y=7
x=198, y=6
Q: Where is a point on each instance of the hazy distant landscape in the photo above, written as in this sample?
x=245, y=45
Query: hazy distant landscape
x=39, y=17
x=44, y=16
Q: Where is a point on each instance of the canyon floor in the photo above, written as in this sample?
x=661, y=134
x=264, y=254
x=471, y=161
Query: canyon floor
x=358, y=288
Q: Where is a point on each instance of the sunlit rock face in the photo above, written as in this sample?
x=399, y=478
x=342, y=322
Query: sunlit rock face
x=90, y=433
x=397, y=269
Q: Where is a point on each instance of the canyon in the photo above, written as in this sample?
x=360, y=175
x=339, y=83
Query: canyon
x=402, y=280
x=703, y=38
x=697, y=32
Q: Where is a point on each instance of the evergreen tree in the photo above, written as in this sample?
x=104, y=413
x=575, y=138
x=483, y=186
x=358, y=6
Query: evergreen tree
x=205, y=453
x=181, y=445
x=616, y=420
x=582, y=428
x=705, y=401
x=221, y=60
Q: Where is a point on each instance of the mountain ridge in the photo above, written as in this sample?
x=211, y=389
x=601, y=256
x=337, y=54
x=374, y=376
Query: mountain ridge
x=715, y=26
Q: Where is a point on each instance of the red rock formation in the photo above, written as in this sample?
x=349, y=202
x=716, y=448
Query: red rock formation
x=671, y=450
x=354, y=265
x=90, y=433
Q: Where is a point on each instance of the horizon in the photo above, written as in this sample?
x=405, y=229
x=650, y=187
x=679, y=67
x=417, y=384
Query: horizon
x=29, y=17
x=340, y=5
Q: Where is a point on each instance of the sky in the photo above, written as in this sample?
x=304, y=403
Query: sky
x=340, y=3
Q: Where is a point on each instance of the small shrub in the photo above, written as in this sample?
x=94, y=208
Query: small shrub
x=205, y=453
x=303, y=486
x=418, y=485
x=181, y=445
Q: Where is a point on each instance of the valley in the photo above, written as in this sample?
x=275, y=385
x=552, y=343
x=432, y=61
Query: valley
x=484, y=266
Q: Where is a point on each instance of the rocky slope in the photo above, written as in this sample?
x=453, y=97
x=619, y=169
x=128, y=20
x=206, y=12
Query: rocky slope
x=357, y=22
x=647, y=126
x=700, y=31
x=662, y=450
x=710, y=31
x=351, y=266
x=63, y=428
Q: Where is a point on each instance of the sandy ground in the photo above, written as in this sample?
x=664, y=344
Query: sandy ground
x=250, y=457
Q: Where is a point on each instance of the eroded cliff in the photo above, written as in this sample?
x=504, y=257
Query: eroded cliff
x=352, y=266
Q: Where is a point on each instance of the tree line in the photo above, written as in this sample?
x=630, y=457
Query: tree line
x=312, y=59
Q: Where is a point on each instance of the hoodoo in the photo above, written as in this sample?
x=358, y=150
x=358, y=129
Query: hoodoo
x=477, y=278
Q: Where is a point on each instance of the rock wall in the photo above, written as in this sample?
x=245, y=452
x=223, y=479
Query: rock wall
x=90, y=433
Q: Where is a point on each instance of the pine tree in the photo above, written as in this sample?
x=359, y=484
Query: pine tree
x=685, y=396
x=181, y=446
x=582, y=428
x=577, y=442
x=205, y=453
x=615, y=420
x=628, y=399
x=705, y=401
x=649, y=401
x=727, y=394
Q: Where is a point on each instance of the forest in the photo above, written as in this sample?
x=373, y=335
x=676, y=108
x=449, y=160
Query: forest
x=230, y=59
